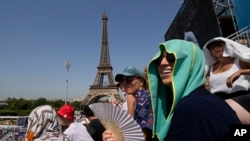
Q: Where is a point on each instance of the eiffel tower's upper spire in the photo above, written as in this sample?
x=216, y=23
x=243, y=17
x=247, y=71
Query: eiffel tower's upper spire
x=105, y=58
x=104, y=68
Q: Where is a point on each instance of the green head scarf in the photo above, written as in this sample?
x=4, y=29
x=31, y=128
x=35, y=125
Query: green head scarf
x=188, y=74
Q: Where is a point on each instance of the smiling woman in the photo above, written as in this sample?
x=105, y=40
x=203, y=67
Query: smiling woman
x=135, y=85
x=165, y=66
x=183, y=109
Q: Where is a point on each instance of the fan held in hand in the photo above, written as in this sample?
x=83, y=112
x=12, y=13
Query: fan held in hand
x=117, y=121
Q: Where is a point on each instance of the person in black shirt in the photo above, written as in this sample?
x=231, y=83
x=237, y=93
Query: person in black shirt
x=95, y=127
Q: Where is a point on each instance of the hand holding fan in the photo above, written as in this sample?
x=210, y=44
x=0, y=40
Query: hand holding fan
x=118, y=121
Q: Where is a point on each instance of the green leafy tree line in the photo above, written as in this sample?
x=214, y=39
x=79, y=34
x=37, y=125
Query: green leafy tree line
x=22, y=107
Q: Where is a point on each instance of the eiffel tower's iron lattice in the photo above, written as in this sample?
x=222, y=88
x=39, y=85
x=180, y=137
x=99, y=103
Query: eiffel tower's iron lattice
x=101, y=87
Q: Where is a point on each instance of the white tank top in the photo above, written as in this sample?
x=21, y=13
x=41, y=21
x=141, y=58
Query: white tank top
x=217, y=82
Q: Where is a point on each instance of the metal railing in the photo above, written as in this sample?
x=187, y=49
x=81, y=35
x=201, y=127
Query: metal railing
x=242, y=36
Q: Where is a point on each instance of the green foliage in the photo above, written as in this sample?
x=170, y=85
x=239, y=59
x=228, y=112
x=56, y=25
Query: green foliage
x=8, y=113
x=23, y=112
x=76, y=104
x=22, y=107
x=40, y=101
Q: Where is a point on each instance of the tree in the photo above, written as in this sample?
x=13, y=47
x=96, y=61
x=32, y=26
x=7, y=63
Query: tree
x=76, y=104
x=40, y=101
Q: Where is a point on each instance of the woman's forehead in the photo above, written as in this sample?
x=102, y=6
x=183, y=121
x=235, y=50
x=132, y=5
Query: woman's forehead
x=215, y=43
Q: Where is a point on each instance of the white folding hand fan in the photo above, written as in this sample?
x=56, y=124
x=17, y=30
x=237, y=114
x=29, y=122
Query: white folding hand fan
x=118, y=121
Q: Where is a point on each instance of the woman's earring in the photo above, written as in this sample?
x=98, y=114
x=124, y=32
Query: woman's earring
x=141, y=86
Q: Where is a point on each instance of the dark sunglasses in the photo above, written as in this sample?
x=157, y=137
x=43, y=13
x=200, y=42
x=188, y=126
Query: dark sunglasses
x=127, y=79
x=169, y=56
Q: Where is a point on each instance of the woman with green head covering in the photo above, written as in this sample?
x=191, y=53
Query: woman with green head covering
x=183, y=109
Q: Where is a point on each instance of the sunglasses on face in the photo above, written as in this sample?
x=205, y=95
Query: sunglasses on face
x=169, y=56
x=127, y=79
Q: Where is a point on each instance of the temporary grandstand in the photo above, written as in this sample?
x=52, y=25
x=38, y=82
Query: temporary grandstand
x=212, y=18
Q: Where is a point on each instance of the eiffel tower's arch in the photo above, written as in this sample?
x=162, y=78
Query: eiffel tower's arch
x=97, y=98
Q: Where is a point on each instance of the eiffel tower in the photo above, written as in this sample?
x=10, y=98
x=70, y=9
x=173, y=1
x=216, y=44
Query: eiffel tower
x=100, y=88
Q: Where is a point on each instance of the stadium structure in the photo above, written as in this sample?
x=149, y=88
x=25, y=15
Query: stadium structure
x=201, y=20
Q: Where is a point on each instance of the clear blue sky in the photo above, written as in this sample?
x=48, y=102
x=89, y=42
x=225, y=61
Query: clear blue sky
x=37, y=36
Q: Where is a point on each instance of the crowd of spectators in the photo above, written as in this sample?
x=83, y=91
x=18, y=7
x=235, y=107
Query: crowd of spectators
x=12, y=133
